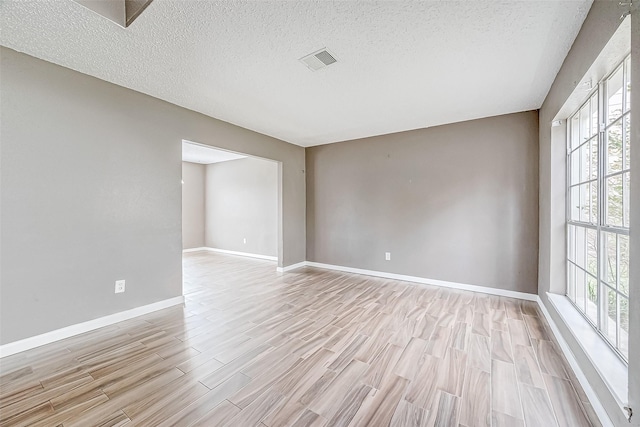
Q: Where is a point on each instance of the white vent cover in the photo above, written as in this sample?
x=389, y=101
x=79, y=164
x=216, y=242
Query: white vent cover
x=318, y=60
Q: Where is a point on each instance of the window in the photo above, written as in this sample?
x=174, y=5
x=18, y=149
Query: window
x=598, y=171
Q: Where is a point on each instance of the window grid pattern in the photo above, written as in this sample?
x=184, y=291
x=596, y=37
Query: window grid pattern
x=598, y=177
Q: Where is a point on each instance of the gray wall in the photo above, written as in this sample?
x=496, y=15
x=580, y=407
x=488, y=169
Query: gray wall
x=90, y=193
x=242, y=203
x=457, y=202
x=193, y=216
x=599, y=26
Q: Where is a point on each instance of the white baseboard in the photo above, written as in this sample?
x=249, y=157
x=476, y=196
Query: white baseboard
x=201, y=248
x=582, y=379
x=80, y=328
x=291, y=267
x=422, y=280
x=224, y=251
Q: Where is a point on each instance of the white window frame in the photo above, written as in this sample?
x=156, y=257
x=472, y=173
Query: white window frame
x=600, y=225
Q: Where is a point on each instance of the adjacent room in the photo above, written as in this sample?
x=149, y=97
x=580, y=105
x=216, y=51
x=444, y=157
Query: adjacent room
x=229, y=203
x=338, y=213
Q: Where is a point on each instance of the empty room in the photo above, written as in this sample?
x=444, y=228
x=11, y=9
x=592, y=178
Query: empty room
x=319, y=213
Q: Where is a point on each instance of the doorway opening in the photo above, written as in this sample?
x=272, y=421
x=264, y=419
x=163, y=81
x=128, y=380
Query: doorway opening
x=231, y=202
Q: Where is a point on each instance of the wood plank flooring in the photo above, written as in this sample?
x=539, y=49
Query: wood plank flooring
x=252, y=347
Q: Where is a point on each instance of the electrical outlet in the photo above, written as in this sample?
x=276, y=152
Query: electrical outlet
x=387, y=256
x=119, y=286
x=244, y=240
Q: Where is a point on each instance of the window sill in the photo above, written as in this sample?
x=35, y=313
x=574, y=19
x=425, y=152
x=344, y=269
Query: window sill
x=605, y=361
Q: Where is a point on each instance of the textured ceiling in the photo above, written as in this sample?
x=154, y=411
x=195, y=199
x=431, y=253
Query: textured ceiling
x=205, y=155
x=401, y=64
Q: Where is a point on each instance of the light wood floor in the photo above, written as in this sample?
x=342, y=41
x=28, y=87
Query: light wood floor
x=307, y=348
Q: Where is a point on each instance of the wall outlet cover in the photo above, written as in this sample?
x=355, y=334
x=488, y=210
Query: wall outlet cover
x=120, y=286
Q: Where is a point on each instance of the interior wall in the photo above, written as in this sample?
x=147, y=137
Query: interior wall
x=242, y=206
x=193, y=205
x=90, y=193
x=457, y=202
x=598, y=28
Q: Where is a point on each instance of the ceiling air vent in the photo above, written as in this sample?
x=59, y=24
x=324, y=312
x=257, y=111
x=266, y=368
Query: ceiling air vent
x=318, y=60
